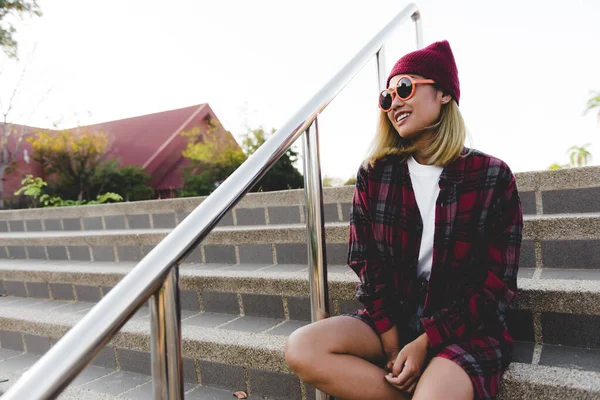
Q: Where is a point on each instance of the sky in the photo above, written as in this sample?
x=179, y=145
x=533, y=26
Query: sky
x=526, y=68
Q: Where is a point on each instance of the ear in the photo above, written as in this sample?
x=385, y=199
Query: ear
x=446, y=98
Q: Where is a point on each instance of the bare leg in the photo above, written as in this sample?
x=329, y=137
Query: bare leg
x=444, y=380
x=338, y=356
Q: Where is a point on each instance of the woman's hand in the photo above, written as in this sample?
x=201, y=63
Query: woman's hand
x=390, y=341
x=391, y=355
x=408, y=365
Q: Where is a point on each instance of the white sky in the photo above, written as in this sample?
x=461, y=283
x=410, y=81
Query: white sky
x=526, y=67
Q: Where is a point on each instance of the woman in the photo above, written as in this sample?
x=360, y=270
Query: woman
x=435, y=236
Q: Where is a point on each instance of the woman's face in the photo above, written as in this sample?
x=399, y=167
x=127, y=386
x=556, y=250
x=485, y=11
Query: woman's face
x=423, y=109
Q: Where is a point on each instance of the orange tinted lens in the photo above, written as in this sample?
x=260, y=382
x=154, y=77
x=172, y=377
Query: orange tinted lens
x=385, y=100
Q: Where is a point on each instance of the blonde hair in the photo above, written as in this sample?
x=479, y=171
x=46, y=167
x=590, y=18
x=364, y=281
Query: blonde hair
x=444, y=147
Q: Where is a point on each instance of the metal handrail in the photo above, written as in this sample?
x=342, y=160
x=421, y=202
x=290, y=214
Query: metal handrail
x=157, y=273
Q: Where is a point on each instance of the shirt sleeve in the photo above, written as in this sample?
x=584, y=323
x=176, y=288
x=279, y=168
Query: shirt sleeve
x=488, y=295
x=373, y=290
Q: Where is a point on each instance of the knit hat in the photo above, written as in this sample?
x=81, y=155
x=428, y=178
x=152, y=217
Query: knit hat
x=436, y=62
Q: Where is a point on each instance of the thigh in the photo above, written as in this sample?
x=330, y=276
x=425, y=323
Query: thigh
x=444, y=380
x=338, y=335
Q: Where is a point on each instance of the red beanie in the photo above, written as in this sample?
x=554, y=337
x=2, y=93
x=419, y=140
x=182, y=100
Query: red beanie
x=432, y=62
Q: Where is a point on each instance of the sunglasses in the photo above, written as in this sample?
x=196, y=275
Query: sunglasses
x=405, y=89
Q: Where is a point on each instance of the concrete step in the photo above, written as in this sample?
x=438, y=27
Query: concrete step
x=229, y=357
x=99, y=383
x=569, y=241
x=573, y=190
x=543, y=307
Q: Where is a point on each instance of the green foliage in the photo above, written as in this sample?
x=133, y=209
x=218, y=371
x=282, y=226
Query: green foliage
x=578, y=157
x=283, y=175
x=33, y=187
x=557, y=166
x=72, y=157
x=132, y=182
x=213, y=146
x=594, y=103
x=55, y=201
x=213, y=155
x=200, y=184
x=351, y=181
x=19, y=7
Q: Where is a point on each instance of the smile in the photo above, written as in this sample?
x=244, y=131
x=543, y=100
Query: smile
x=402, y=117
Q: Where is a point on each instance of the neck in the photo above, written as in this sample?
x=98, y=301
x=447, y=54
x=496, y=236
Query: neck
x=422, y=143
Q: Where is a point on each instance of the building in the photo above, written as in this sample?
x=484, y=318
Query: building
x=151, y=141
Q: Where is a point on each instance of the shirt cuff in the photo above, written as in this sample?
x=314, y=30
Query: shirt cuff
x=432, y=332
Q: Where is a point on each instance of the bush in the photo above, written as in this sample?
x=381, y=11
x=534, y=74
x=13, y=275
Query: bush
x=131, y=182
x=34, y=187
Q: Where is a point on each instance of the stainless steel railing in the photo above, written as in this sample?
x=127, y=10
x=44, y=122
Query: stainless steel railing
x=156, y=276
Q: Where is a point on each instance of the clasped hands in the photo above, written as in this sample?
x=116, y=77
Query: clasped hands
x=405, y=366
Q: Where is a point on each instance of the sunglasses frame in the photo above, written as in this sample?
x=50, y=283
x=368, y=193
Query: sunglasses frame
x=393, y=91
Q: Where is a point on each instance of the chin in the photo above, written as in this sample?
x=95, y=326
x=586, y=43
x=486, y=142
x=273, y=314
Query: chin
x=405, y=133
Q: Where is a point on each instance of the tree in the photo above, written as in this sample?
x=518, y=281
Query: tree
x=283, y=175
x=7, y=163
x=578, y=157
x=11, y=135
x=593, y=103
x=73, y=157
x=15, y=7
x=131, y=182
x=213, y=155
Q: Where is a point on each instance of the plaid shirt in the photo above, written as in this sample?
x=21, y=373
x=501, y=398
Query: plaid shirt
x=477, y=239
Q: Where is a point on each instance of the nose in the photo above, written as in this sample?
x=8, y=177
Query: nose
x=397, y=102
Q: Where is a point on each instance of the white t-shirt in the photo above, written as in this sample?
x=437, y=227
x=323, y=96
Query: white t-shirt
x=425, y=181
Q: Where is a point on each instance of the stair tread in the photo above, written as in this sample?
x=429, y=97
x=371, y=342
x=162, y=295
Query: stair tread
x=572, y=296
x=31, y=315
x=24, y=269
x=92, y=383
x=252, y=228
x=98, y=383
x=95, y=382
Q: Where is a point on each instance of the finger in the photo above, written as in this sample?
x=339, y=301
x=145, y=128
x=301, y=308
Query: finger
x=399, y=364
x=392, y=380
x=404, y=386
x=389, y=366
x=407, y=372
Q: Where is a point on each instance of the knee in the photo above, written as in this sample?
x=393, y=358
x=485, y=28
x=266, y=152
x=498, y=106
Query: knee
x=302, y=354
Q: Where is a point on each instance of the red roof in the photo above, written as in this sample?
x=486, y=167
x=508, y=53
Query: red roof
x=151, y=141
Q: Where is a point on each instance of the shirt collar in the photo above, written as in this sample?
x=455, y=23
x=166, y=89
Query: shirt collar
x=454, y=172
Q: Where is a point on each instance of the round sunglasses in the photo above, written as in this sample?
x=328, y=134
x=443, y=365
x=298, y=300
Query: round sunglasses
x=405, y=89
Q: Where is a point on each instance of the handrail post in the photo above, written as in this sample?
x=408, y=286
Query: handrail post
x=380, y=55
x=416, y=17
x=157, y=346
x=317, y=259
x=165, y=322
x=381, y=73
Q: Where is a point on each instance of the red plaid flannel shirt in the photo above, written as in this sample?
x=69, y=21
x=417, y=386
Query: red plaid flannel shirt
x=477, y=241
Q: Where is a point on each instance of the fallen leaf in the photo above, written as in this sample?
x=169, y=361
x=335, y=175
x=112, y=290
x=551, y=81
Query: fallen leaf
x=241, y=395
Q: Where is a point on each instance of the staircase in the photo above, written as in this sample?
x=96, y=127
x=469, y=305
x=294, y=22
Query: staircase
x=245, y=289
